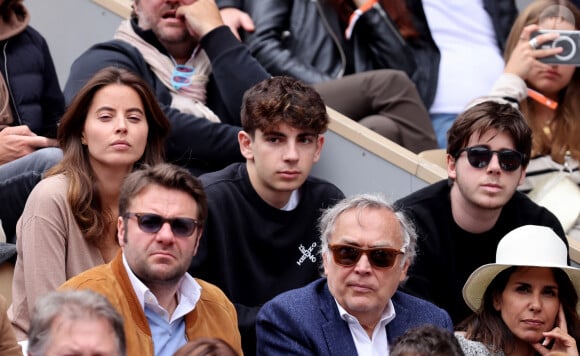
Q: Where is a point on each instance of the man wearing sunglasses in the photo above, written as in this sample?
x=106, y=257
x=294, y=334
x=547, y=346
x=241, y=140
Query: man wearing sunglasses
x=367, y=248
x=162, y=210
x=260, y=238
x=197, y=68
x=461, y=220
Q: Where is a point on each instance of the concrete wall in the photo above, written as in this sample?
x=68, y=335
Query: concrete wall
x=70, y=27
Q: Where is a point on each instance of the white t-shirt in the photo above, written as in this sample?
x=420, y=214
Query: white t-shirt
x=471, y=61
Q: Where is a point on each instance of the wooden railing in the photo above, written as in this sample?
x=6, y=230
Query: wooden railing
x=119, y=7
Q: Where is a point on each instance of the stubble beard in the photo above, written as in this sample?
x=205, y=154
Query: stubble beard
x=150, y=277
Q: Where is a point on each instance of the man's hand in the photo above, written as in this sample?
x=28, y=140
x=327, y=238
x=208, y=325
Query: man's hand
x=201, y=17
x=18, y=141
x=236, y=19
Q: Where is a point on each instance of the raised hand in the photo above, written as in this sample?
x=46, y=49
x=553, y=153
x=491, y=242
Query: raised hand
x=525, y=56
x=201, y=17
x=563, y=342
x=236, y=19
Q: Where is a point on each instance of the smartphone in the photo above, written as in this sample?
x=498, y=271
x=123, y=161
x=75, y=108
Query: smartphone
x=568, y=40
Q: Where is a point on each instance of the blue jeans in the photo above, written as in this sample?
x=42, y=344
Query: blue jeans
x=441, y=124
x=17, y=178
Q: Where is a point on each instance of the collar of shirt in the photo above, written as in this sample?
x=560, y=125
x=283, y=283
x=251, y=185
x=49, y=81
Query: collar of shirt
x=188, y=294
x=293, y=201
x=378, y=344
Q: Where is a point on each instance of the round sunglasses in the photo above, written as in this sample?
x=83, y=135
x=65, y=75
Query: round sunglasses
x=480, y=156
x=152, y=223
x=379, y=257
x=181, y=76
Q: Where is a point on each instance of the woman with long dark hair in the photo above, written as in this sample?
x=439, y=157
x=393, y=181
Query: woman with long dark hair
x=113, y=125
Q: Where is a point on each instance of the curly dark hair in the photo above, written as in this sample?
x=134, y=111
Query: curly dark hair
x=283, y=100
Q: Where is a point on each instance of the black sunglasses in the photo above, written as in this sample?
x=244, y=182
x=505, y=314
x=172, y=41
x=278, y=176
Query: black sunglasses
x=152, y=223
x=480, y=156
x=380, y=257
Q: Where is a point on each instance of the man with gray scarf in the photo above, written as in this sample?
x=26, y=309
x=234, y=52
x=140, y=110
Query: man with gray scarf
x=197, y=68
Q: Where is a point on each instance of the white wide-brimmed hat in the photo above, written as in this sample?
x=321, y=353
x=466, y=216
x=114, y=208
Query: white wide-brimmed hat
x=529, y=245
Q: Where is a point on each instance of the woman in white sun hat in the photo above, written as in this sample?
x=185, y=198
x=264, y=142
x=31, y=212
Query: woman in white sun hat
x=527, y=302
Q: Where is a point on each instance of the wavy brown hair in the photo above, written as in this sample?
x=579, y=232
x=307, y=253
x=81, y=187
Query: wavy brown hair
x=565, y=134
x=280, y=100
x=94, y=219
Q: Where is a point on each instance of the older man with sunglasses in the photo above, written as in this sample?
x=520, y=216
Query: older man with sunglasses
x=461, y=220
x=161, y=214
x=366, y=249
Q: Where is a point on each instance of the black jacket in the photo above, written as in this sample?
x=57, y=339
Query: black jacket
x=36, y=99
x=309, y=31
x=305, y=39
x=195, y=142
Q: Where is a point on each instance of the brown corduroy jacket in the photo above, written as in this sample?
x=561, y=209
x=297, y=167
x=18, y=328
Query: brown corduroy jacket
x=214, y=315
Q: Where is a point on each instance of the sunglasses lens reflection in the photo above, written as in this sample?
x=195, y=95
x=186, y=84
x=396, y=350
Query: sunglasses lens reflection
x=348, y=256
x=181, y=76
x=184, y=69
x=152, y=223
x=479, y=157
x=382, y=258
x=182, y=227
x=181, y=80
x=509, y=160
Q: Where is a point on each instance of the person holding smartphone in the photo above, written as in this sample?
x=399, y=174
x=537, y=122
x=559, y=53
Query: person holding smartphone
x=546, y=94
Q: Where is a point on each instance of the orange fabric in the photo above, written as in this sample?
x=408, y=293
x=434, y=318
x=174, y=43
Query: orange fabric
x=355, y=16
x=540, y=98
x=214, y=315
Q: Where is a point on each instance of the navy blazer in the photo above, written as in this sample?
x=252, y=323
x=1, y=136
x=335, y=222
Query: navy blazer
x=306, y=321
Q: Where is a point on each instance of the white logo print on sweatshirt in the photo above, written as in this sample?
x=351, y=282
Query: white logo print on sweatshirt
x=306, y=254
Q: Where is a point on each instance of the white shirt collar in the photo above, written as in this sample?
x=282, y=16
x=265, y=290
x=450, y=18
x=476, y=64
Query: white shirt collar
x=293, y=201
x=379, y=344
